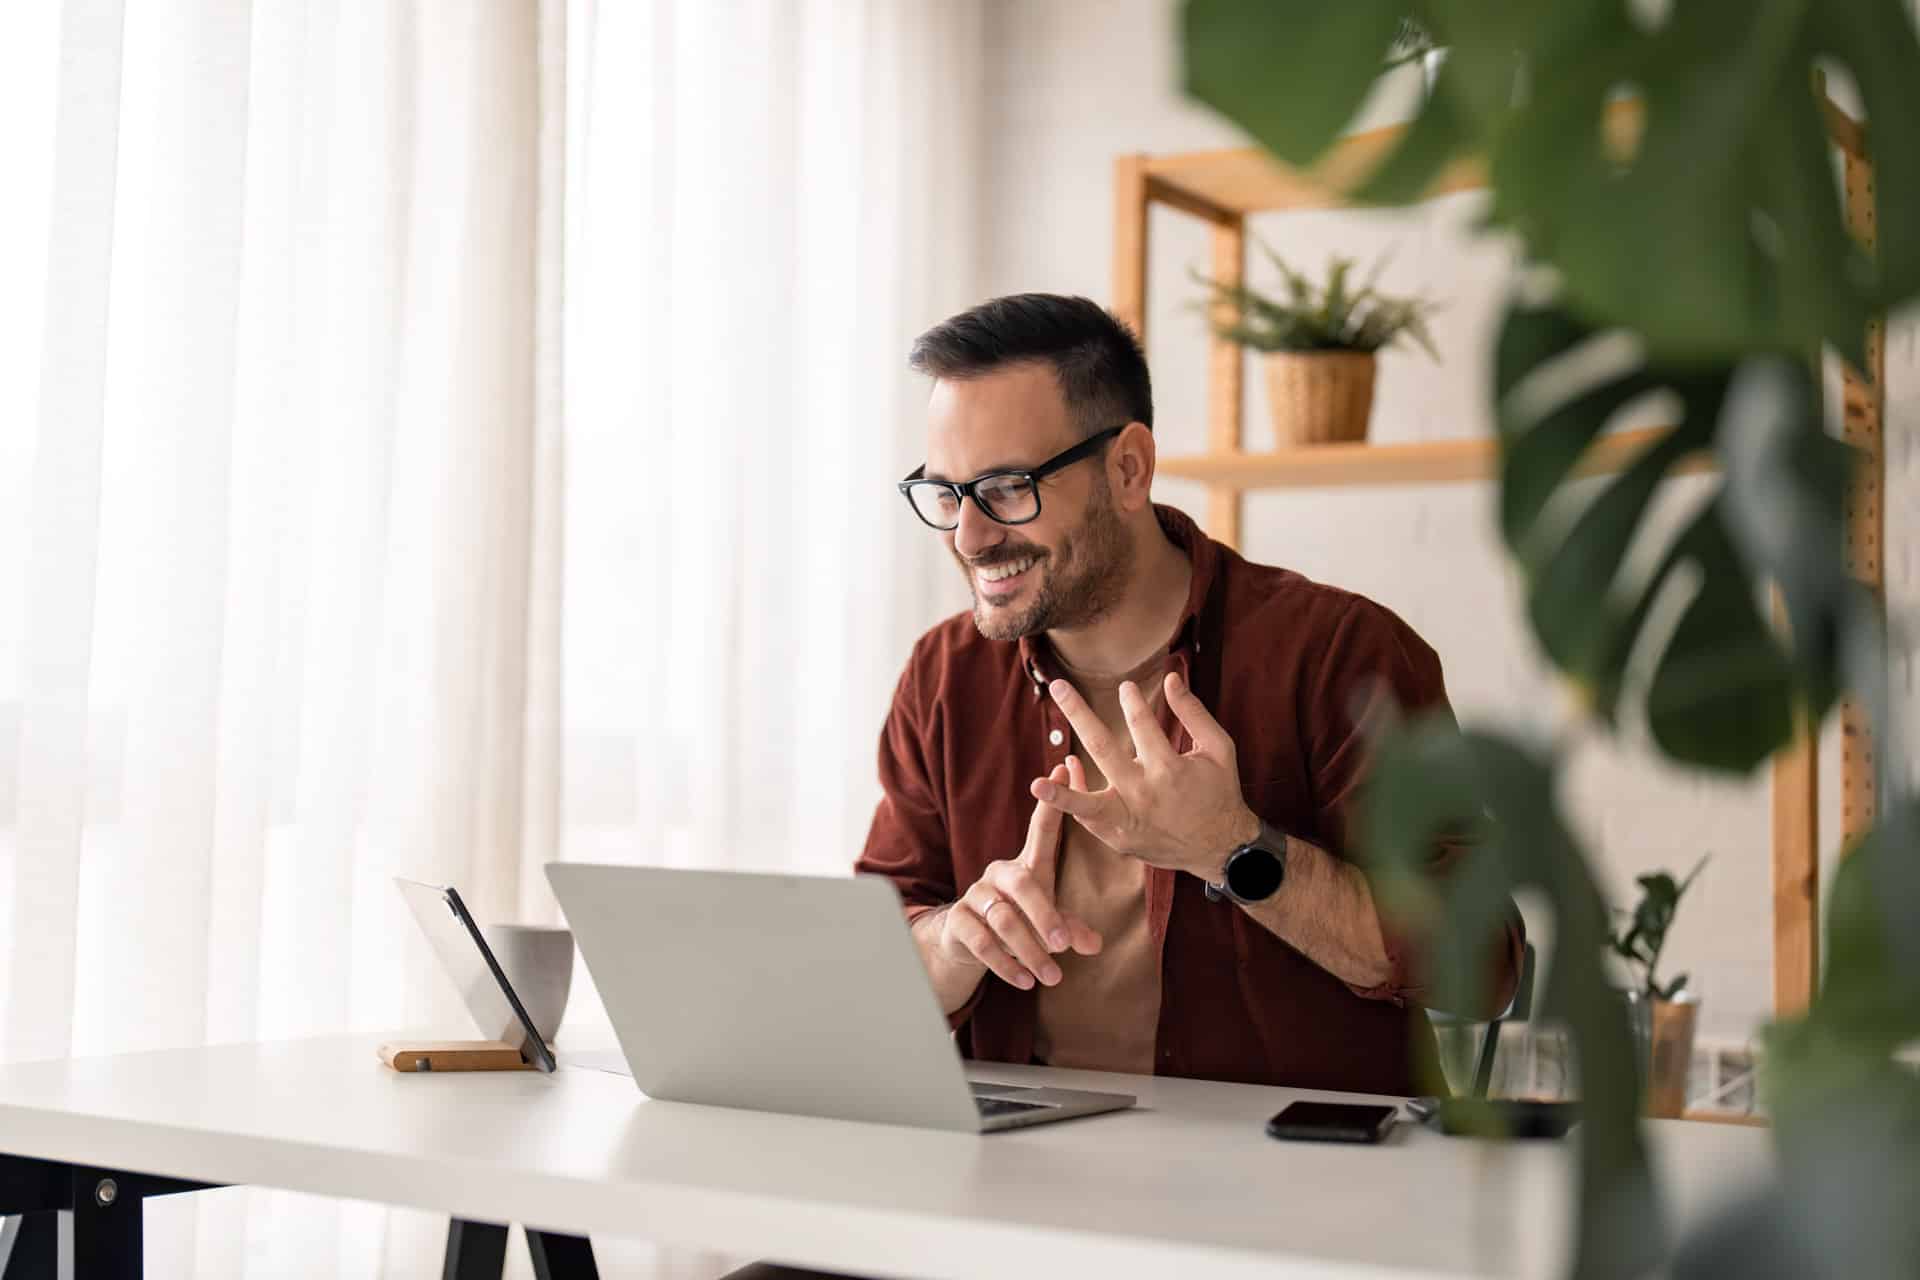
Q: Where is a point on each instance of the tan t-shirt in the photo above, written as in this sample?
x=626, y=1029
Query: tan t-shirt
x=1105, y=1012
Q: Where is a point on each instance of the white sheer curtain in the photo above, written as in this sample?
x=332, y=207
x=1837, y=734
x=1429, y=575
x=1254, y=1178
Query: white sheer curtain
x=281, y=504
x=771, y=199
x=279, y=528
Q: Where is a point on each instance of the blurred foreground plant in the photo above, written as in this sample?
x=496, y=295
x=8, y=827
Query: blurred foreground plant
x=1699, y=269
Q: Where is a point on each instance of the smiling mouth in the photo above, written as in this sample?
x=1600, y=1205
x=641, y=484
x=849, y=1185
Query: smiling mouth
x=1003, y=579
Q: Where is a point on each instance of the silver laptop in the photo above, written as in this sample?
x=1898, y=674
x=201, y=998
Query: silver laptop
x=796, y=994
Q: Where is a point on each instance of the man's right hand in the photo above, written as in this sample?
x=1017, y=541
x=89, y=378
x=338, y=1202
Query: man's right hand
x=1007, y=920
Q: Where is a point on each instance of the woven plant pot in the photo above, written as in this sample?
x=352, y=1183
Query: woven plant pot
x=1320, y=397
x=1673, y=1024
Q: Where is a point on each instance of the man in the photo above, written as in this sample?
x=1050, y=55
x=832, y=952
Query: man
x=1119, y=793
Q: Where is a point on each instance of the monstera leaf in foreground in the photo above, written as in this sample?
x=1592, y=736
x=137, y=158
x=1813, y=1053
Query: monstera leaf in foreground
x=1430, y=780
x=1696, y=256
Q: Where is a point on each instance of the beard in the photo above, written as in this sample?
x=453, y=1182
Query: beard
x=1077, y=583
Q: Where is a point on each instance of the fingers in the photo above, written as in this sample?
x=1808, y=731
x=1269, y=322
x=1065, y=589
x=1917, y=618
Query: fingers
x=1016, y=936
x=1149, y=739
x=971, y=934
x=1102, y=808
x=1205, y=731
x=1032, y=898
x=1008, y=921
x=1101, y=812
x=1088, y=728
x=1081, y=936
x=1042, y=853
x=1010, y=944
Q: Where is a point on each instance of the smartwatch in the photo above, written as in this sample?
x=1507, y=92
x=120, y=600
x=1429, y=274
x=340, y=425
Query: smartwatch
x=1254, y=871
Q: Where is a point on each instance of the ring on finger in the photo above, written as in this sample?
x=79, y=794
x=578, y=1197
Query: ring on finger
x=987, y=910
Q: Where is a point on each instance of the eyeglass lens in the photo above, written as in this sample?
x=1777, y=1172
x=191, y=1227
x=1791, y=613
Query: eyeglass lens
x=1008, y=498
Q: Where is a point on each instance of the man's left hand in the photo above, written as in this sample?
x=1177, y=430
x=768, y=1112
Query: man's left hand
x=1178, y=810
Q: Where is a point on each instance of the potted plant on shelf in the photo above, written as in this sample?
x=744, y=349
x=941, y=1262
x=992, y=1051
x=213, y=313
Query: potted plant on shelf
x=1319, y=343
x=1665, y=1015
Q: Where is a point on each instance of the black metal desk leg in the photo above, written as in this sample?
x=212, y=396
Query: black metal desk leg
x=32, y=1250
x=561, y=1257
x=78, y=1221
x=475, y=1250
x=106, y=1226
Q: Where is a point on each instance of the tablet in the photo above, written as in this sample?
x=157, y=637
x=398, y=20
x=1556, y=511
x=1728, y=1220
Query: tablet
x=467, y=959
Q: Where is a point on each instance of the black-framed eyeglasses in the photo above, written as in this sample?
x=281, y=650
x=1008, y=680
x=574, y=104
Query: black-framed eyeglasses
x=1010, y=497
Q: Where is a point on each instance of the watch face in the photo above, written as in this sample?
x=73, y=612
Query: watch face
x=1254, y=873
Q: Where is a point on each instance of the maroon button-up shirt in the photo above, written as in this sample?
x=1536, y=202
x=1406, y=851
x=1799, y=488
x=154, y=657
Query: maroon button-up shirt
x=1282, y=663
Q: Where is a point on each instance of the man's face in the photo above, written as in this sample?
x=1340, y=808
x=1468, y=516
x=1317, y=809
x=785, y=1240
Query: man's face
x=1061, y=571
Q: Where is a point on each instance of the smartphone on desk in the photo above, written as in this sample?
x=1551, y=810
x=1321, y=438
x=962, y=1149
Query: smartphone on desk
x=1332, y=1122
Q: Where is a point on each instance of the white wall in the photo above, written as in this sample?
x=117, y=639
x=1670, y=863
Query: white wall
x=1073, y=83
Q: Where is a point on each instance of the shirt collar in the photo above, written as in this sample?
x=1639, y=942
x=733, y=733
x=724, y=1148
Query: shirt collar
x=1203, y=553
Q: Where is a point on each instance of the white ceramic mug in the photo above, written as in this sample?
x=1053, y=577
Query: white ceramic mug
x=538, y=960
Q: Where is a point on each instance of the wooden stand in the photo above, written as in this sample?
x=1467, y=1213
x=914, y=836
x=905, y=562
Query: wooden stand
x=453, y=1055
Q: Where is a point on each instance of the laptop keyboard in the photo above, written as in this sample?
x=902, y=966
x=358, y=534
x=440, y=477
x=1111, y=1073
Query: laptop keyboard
x=992, y=1107
x=995, y=1090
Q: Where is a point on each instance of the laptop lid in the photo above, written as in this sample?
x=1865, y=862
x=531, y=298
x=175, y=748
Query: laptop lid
x=797, y=994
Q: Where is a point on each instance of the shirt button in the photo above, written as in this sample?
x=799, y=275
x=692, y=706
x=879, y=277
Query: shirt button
x=1056, y=737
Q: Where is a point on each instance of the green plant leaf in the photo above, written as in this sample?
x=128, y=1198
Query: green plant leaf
x=1435, y=138
x=1237, y=51
x=1849, y=1160
x=1864, y=995
x=1723, y=694
x=1417, y=329
x=1660, y=888
x=1722, y=232
x=1847, y=1123
x=1875, y=40
x=1723, y=687
x=1753, y=1239
x=1692, y=875
x=1719, y=235
x=1586, y=628
x=1432, y=780
x=1334, y=307
x=1299, y=288
x=1785, y=499
x=1718, y=244
x=1333, y=318
x=1846, y=1113
x=1487, y=42
x=1538, y=453
x=1734, y=172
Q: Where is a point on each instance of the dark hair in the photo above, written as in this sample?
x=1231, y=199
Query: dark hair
x=1095, y=358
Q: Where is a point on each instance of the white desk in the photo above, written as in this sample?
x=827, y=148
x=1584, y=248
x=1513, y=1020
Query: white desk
x=1186, y=1185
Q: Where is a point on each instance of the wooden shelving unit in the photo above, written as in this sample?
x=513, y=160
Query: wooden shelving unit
x=1223, y=187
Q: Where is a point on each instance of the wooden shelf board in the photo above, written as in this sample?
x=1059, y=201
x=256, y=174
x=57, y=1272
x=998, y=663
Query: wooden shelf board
x=1224, y=186
x=1704, y=1116
x=1421, y=462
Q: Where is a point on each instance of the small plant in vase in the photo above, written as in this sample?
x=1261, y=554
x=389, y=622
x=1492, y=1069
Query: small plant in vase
x=1319, y=342
x=1638, y=938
